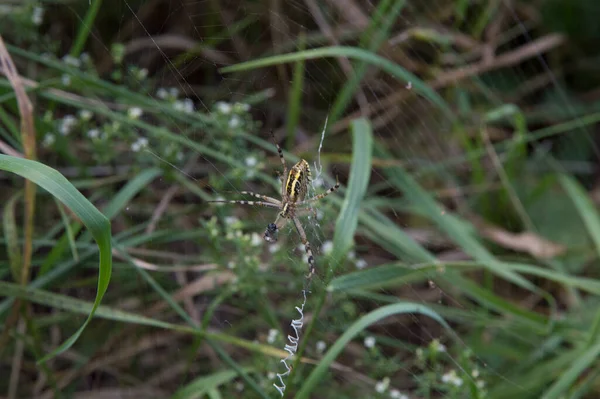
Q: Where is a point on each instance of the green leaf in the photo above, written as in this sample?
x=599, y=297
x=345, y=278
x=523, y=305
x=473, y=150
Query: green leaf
x=360, y=173
x=57, y=185
x=371, y=318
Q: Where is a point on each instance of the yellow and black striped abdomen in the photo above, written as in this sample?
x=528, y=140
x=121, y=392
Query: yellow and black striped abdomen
x=297, y=182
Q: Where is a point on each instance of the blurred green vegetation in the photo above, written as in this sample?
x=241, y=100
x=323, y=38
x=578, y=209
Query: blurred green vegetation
x=459, y=259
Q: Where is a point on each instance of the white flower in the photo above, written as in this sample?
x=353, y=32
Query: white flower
x=251, y=161
x=93, y=133
x=142, y=74
x=65, y=79
x=321, y=346
x=241, y=107
x=174, y=92
x=71, y=61
x=223, y=107
x=230, y=265
x=162, y=93
x=475, y=373
x=139, y=144
x=255, y=240
x=134, y=112
x=85, y=115
x=274, y=248
x=272, y=335
x=382, y=385
x=327, y=247
x=186, y=105
x=369, y=342
x=66, y=124
x=230, y=220
x=396, y=394
x=451, y=378
x=48, y=140
x=361, y=263
x=234, y=122
x=271, y=375
x=437, y=346
x=37, y=17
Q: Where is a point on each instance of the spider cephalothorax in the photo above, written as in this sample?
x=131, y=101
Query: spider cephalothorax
x=294, y=187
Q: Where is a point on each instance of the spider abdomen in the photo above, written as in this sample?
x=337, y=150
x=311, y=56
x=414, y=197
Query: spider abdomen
x=297, y=182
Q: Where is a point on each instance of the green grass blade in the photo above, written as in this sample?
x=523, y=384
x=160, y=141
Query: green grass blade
x=360, y=173
x=584, y=206
x=373, y=317
x=418, y=86
x=586, y=359
x=201, y=385
x=57, y=185
x=85, y=28
x=11, y=232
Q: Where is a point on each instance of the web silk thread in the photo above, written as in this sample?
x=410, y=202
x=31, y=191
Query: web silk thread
x=292, y=346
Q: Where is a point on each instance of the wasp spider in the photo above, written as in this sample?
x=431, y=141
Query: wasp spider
x=293, y=203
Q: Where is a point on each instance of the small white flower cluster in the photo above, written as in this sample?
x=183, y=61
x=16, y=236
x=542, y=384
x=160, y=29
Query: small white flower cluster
x=451, y=378
x=171, y=93
x=71, y=61
x=396, y=394
x=139, y=144
x=37, y=16
x=134, y=112
x=369, y=342
x=85, y=115
x=273, y=333
x=66, y=124
x=320, y=346
x=437, y=346
x=382, y=385
x=186, y=105
x=48, y=140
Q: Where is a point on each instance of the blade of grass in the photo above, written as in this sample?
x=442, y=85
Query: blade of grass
x=587, y=211
x=85, y=28
x=586, y=358
x=418, y=86
x=57, y=185
x=11, y=233
x=309, y=384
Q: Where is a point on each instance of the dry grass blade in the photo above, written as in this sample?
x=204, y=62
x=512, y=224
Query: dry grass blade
x=526, y=242
x=29, y=145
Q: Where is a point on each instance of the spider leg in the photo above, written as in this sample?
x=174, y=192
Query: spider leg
x=282, y=159
x=325, y=194
x=263, y=197
x=251, y=203
x=311, y=260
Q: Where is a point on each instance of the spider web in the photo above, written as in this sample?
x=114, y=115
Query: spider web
x=416, y=133
x=411, y=127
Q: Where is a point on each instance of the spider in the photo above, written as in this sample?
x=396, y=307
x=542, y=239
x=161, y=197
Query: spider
x=293, y=193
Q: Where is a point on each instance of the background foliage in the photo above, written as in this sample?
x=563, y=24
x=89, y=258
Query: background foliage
x=459, y=259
